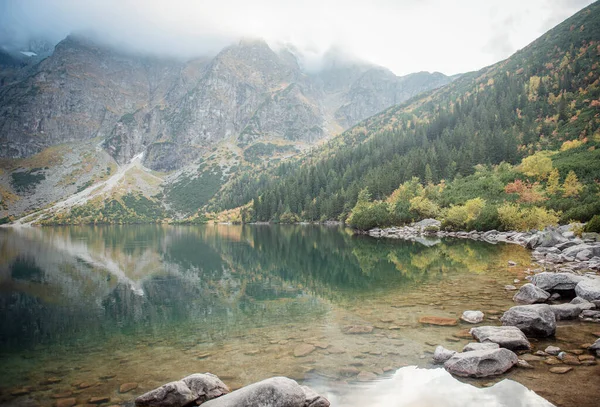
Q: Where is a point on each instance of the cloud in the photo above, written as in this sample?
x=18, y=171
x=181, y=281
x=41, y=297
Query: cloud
x=405, y=36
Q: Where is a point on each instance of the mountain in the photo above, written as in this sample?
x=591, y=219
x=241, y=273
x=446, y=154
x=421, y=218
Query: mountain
x=520, y=139
x=87, y=114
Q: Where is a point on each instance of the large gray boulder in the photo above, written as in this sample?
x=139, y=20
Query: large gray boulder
x=534, y=320
x=588, y=289
x=572, y=251
x=553, y=282
x=550, y=238
x=509, y=337
x=273, y=392
x=530, y=294
x=481, y=363
x=196, y=388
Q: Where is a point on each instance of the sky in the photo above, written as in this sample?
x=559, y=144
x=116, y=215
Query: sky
x=449, y=36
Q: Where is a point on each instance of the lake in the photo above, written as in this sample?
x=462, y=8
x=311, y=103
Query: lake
x=87, y=309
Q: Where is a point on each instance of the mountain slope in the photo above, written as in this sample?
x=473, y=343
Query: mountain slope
x=96, y=109
x=538, y=99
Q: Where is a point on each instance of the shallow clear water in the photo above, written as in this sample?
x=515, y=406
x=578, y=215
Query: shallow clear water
x=86, y=309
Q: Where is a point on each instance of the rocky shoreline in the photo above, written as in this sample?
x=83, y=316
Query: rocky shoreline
x=209, y=390
x=572, y=262
x=555, y=248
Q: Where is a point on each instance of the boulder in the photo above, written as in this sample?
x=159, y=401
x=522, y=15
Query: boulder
x=480, y=346
x=472, y=317
x=273, y=392
x=552, y=350
x=590, y=315
x=313, y=399
x=481, y=363
x=566, y=311
x=194, y=388
x=550, y=238
x=442, y=354
x=584, y=255
x=426, y=223
x=596, y=345
x=534, y=320
x=173, y=394
x=509, y=337
x=572, y=251
x=588, y=289
x=552, y=282
x=205, y=386
x=530, y=294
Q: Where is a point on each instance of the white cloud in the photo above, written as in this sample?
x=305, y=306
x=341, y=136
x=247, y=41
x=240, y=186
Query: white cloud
x=405, y=36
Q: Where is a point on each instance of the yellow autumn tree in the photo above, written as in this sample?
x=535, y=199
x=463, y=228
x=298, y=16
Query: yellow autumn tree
x=538, y=165
x=572, y=186
x=553, y=185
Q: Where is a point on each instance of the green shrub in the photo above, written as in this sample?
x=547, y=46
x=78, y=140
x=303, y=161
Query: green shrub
x=593, y=225
x=514, y=217
x=487, y=220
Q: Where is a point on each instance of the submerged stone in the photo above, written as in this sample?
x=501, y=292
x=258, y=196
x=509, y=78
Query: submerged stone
x=441, y=321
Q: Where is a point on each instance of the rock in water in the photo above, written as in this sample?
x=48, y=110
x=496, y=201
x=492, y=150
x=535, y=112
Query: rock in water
x=530, y=294
x=481, y=363
x=588, y=289
x=205, y=386
x=534, y=320
x=358, y=329
x=509, y=337
x=273, y=392
x=196, y=387
x=472, y=317
x=551, y=282
x=566, y=311
x=303, y=350
x=442, y=354
x=443, y=321
x=469, y=347
x=312, y=399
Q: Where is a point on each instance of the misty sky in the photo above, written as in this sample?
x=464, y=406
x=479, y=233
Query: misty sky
x=449, y=36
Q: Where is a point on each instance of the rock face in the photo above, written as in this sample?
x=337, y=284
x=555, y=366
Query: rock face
x=273, y=392
x=481, y=363
x=139, y=103
x=472, y=317
x=509, y=337
x=534, y=320
x=553, y=282
x=588, y=289
x=530, y=294
x=194, y=388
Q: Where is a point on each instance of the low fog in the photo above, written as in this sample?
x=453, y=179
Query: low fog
x=402, y=35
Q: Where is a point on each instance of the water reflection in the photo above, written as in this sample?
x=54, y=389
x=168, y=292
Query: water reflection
x=151, y=304
x=414, y=387
x=74, y=283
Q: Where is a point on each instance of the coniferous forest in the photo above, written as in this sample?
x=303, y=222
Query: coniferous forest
x=512, y=146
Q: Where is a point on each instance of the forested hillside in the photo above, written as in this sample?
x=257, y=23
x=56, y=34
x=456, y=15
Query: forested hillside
x=516, y=140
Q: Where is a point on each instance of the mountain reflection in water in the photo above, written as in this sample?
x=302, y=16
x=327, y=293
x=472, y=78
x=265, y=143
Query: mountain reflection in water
x=150, y=304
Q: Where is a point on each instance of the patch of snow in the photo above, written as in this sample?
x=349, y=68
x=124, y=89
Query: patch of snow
x=28, y=53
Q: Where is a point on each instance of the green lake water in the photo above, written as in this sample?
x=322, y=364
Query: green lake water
x=87, y=309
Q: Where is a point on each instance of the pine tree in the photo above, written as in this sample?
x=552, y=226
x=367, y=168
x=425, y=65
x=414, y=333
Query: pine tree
x=553, y=185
